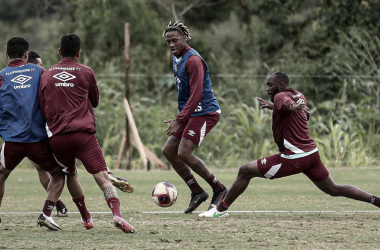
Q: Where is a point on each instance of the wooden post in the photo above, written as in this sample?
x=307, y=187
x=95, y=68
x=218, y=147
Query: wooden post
x=135, y=134
x=127, y=66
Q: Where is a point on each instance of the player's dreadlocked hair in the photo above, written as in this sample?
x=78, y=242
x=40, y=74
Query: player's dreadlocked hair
x=281, y=76
x=178, y=27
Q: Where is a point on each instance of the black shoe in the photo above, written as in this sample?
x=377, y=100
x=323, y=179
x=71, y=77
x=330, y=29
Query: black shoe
x=196, y=200
x=61, y=210
x=216, y=197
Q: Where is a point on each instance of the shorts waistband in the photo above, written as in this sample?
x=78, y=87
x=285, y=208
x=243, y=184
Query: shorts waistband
x=296, y=156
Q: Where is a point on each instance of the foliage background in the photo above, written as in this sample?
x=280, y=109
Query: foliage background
x=330, y=49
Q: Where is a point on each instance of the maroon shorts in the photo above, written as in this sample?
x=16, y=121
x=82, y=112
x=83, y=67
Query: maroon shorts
x=197, y=127
x=84, y=146
x=12, y=153
x=275, y=166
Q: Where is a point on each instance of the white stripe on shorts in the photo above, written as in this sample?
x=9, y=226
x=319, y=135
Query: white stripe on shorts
x=63, y=167
x=2, y=158
x=273, y=170
x=203, y=132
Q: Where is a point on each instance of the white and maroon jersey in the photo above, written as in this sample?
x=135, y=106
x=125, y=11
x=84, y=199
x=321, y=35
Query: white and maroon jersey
x=290, y=130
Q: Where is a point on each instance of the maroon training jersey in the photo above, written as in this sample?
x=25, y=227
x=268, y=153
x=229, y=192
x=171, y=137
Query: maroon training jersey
x=68, y=94
x=290, y=130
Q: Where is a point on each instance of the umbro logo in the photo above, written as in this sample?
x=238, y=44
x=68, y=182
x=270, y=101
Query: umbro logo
x=64, y=76
x=190, y=182
x=263, y=161
x=21, y=79
x=191, y=133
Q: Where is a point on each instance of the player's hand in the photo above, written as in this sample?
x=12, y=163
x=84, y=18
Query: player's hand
x=265, y=104
x=301, y=107
x=173, y=126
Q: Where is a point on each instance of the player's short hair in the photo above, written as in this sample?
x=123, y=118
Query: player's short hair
x=70, y=45
x=33, y=57
x=16, y=47
x=177, y=26
x=281, y=77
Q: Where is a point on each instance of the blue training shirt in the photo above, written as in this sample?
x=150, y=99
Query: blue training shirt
x=20, y=115
x=208, y=102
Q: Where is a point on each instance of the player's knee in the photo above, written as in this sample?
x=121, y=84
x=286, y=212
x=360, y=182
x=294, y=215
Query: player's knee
x=183, y=155
x=4, y=173
x=244, y=171
x=332, y=190
x=56, y=172
x=167, y=152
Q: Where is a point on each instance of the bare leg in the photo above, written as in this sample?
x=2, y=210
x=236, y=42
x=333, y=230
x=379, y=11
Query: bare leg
x=185, y=153
x=246, y=173
x=73, y=185
x=56, y=184
x=4, y=173
x=330, y=187
x=170, y=151
x=43, y=176
x=113, y=202
x=103, y=181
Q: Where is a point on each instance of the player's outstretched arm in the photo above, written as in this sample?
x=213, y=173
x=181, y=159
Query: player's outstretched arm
x=299, y=107
x=265, y=104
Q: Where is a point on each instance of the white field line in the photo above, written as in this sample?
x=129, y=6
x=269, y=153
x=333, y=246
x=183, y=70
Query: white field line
x=236, y=212
x=269, y=211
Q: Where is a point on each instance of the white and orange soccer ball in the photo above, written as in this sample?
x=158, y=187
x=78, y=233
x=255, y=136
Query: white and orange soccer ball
x=164, y=194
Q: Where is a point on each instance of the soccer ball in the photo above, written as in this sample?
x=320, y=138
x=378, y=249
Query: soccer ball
x=164, y=194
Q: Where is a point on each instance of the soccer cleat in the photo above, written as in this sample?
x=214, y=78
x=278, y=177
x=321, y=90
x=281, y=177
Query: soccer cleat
x=123, y=225
x=46, y=221
x=87, y=223
x=61, y=210
x=195, y=201
x=122, y=184
x=216, y=197
x=214, y=213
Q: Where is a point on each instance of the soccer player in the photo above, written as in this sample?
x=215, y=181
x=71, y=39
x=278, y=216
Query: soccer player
x=22, y=126
x=199, y=112
x=34, y=58
x=298, y=151
x=122, y=184
x=43, y=175
x=68, y=94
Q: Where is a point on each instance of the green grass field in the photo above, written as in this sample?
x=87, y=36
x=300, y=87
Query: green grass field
x=283, y=216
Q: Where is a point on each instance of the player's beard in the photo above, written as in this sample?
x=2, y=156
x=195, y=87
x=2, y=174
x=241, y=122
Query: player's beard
x=273, y=93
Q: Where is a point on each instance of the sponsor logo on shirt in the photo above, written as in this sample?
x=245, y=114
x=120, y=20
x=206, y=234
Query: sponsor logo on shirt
x=64, y=76
x=21, y=79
